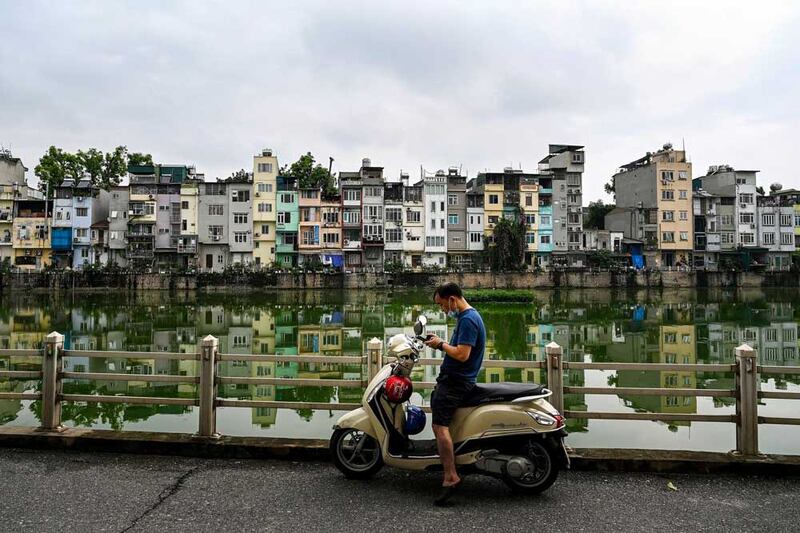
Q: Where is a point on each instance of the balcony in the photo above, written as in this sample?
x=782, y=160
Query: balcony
x=140, y=253
x=351, y=245
x=286, y=248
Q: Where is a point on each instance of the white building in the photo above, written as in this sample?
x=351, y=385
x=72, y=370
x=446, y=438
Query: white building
x=435, y=200
x=413, y=223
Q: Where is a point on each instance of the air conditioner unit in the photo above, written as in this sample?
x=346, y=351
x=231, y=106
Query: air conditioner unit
x=150, y=196
x=131, y=213
x=346, y=242
x=257, y=235
x=215, y=237
x=743, y=206
x=257, y=194
x=752, y=226
x=76, y=239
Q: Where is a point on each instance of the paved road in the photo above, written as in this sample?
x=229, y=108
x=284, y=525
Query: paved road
x=62, y=491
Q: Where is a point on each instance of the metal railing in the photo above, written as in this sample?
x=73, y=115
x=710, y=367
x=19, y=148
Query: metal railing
x=745, y=393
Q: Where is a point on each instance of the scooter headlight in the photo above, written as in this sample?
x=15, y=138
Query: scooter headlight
x=542, y=419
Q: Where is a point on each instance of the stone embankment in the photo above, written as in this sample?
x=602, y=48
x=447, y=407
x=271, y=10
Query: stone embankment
x=475, y=280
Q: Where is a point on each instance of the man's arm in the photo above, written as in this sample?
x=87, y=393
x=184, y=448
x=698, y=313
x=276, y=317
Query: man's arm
x=467, y=337
x=460, y=353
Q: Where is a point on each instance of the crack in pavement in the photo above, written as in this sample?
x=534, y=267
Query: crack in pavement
x=168, y=492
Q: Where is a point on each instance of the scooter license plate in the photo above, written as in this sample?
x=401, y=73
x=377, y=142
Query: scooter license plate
x=566, y=455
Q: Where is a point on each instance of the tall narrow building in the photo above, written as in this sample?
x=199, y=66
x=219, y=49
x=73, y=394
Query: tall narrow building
x=435, y=188
x=654, y=204
x=265, y=173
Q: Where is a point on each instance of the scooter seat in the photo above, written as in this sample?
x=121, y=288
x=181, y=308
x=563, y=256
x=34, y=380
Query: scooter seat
x=500, y=392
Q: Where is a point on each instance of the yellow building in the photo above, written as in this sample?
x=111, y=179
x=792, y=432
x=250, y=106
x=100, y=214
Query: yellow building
x=492, y=205
x=31, y=234
x=264, y=343
x=674, y=196
x=677, y=346
x=529, y=203
x=265, y=173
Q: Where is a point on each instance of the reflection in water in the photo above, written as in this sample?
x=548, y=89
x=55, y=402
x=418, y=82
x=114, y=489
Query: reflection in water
x=650, y=327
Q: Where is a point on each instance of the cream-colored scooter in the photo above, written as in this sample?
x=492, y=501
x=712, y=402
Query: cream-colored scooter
x=504, y=430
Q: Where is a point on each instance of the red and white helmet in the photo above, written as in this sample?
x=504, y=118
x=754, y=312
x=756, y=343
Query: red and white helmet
x=398, y=389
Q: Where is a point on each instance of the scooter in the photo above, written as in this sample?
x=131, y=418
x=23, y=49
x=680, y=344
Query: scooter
x=504, y=430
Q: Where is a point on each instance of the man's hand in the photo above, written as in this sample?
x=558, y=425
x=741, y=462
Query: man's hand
x=433, y=342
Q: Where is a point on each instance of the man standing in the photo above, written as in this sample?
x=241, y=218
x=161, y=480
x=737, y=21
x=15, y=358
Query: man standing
x=463, y=356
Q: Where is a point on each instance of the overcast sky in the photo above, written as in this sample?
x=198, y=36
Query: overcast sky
x=478, y=85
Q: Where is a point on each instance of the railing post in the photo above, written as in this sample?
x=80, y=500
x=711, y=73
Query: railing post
x=374, y=362
x=746, y=400
x=208, y=387
x=555, y=375
x=52, y=364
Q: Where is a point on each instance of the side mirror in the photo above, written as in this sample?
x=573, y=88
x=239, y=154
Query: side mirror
x=419, y=326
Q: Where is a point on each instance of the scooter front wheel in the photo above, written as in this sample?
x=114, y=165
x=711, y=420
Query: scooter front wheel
x=356, y=454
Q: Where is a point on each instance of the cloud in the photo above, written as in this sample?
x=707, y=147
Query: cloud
x=482, y=85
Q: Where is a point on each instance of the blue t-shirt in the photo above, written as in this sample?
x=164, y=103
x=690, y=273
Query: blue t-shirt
x=469, y=330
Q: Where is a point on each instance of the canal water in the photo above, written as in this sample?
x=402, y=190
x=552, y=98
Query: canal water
x=661, y=326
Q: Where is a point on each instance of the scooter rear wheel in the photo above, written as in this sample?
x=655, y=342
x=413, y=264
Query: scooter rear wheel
x=356, y=454
x=543, y=474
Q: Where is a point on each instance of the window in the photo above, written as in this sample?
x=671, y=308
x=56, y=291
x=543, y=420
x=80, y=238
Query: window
x=373, y=212
x=240, y=196
x=264, y=229
x=330, y=217
x=352, y=195
x=544, y=220
x=413, y=216
x=215, y=231
x=286, y=198
x=163, y=231
x=452, y=219
x=374, y=192
x=668, y=236
x=684, y=235
x=745, y=198
x=394, y=235
x=493, y=219
x=667, y=175
x=667, y=195
x=544, y=239
x=81, y=232
x=215, y=209
x=240, y=218
x=686, y=338
x=768, y=238
x=433, y=207
x=746, y=238
x=442, y=207
x=745, y=218
x=787, y=238
x=284, y=218
x=683, y=175
x=768, y=219
x=683, y=194
x=530, y=238
x=530, y=219
x=351, y=216
x=668, y=216
x=684, y=215
x=670, y=338
x=264, y=187
x=330, y=238
x=264, y=207
x=452, y=199
x=494, y=199
x=309, y=194
x=574, y=218
x=475, y=237
x=727, y=238
x=310, y=236
x=265, y=167
x=81, y=211
x=394, y=214
x=441, y=223
x=726, y=220
x=786, y=220
x=797, y=220
x=528, y=200
x=163, y=207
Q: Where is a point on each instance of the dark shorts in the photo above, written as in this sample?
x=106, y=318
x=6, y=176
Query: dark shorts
x=447, y=397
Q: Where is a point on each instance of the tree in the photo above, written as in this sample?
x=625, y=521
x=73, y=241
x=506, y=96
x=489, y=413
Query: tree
x=104, y=170
x=139, y=159
x=760, y=190
x=596, y=215
x=309, y=175
x=507, y=252
x=52, y=168
x=610, y=188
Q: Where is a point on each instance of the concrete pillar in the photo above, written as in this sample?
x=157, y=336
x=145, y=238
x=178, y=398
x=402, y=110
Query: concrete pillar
x=746, y=400
x=374, y=357
x=208, y=387
x=52, y=366
x=555, y=375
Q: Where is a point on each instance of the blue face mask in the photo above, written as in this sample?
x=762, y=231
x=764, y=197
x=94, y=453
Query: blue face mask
x=451, y=313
